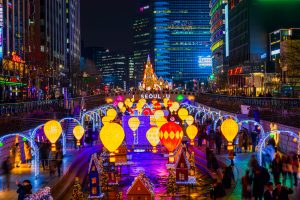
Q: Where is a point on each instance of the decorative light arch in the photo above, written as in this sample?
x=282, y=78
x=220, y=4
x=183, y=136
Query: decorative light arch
x=32, y=144
x=224, y=117
x=262, y=132
x=64, y=142
x=94, y=116
x=70, y=118
x=262, y=143
x=213, y=114
x=198, y=114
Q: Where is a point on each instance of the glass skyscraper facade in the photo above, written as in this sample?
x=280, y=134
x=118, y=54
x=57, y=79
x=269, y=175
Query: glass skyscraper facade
x=182, y=40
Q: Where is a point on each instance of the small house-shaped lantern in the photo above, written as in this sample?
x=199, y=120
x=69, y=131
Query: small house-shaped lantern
x=141, y=188
x=182, y=167
x=94, y=172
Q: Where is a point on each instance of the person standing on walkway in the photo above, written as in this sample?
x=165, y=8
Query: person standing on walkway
x=269, y=194
x=254, y=135
x=6, y=167
x=276, y=166
x=295, y=164
x=28, y=155
x=282, y=192
x=24, y=189
x=260, y=177
x=59, y=157
x=246, y=186
x=218, y=140
x=52, y=162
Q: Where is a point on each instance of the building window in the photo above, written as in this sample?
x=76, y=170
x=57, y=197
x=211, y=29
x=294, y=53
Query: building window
x=138, y=188
x=181, y=177
x=181, y=165
x=94, y=190
x=94, y=180
x=93, y=169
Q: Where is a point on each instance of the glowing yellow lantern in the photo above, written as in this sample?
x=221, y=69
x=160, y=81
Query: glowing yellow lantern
x=134, y=123
x=123, y=109
x=165, y=102
x=189, y=120
x=111, y=113
x=161, y=121
x=106, y=120
x=153, y=137
x=120, y=105
x=142, y=102
x=52, y=130
x=130, y=104
x=78, y=133
x=126, y=102
x=158, y=114
x=152, y=121
x=183, y=113
x=112, y=136
x=229, y=129
x=175, y=106
x=191, y=132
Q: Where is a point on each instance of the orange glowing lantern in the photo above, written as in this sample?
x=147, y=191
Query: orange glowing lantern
x=170, y=102
x=170, y=135
x=154, y=101
x=157, y=106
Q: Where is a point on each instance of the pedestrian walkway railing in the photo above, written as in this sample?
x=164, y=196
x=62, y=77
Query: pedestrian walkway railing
x=23, y=107
x=255, y=101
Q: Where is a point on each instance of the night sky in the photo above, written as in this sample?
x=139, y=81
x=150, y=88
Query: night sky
x=108, y=23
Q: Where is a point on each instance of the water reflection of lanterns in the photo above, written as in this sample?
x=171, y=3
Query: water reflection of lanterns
x=170, y=135
x=112, y=136
x=53, y=130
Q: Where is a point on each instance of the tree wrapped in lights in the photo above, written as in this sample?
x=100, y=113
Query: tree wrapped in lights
x=171, y=185
x=77, y=192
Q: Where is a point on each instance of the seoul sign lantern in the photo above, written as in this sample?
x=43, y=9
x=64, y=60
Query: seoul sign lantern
x=170, y=135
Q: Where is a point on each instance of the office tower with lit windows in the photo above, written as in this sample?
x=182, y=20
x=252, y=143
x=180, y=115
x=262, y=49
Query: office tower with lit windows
x=72, y=42
x=250, y=22
x=113, y=67
x=142, y=38
x=219, y=34
x=182, y=40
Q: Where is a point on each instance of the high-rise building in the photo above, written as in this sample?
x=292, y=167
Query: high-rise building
x=113, y=68
x=14, y=49
x=285, y=54
x=250, y=22
x=143, y=38
x=182, y=40
x=219, y=35
x=73, y=38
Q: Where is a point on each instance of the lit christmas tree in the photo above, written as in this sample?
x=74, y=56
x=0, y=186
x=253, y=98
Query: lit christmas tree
x=77, y=193
x=171, y=185
x=149, y=78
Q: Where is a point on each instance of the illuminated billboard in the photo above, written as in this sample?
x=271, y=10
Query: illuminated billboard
x=205, y=61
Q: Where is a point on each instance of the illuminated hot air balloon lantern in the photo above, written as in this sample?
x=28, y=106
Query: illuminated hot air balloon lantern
x=229, y=129
x=153, y=137
x=191, y=132
x=111, y=113
x=170, y=135
x=52, y=130
x=189, y=120
x=78, y=133
x=134, y=124
x=183, y=114
x=112, y=136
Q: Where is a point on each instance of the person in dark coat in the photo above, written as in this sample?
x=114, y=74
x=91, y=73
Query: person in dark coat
x=269, y=194
x=24, y=189
x=246, y=186
x=6, y=166
x=217, y=190
x=228, y=177
x=218, y=140
x=260, y=178
x=276, y=167
x=282, y=192
x=208, y=157
x=59, y=157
